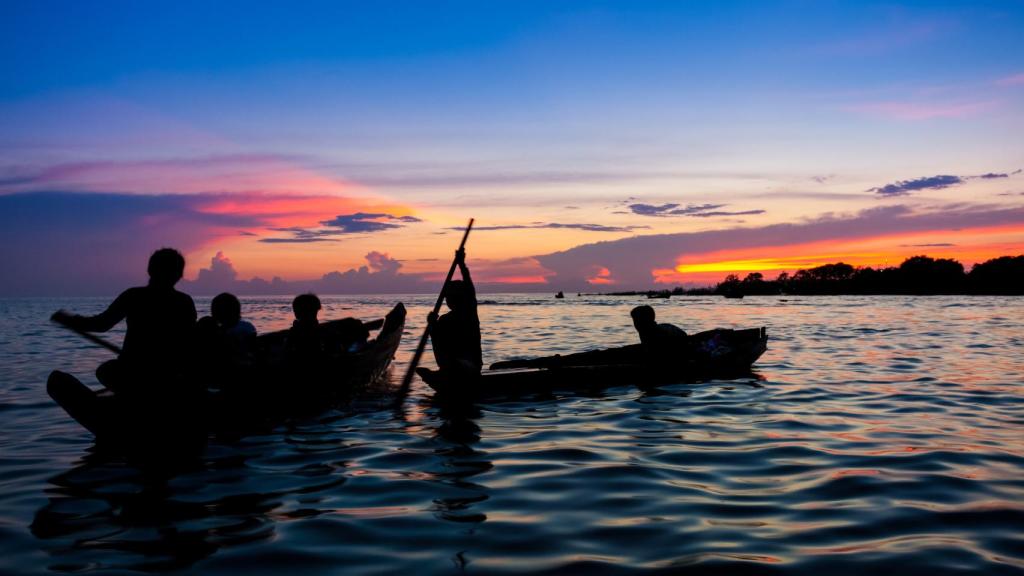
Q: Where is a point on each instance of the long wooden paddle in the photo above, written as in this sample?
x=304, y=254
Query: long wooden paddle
x=87, y=335
x=407, y=381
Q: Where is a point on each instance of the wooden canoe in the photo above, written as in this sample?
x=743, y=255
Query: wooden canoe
x=715, y=354
x=272, y=390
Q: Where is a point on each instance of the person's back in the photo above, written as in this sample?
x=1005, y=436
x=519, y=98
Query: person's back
x=224, y=342
x=455, y=336
x=159, y=324
x=304, y=345
x=663, y=341
x=239, y=336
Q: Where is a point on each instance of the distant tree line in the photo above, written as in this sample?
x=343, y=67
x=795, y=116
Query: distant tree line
x=916, y=275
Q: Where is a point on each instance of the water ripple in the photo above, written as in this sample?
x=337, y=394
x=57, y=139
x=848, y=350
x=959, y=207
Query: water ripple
x=879, y=434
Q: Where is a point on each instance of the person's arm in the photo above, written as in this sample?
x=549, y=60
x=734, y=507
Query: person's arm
x=460, y=258
x=101, y=322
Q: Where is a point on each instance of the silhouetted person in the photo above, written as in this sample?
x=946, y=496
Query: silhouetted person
x=227, y=312
x=455, y=336
x=304, y=343
x=659, y=339
x=160, y=325
x=225, y=342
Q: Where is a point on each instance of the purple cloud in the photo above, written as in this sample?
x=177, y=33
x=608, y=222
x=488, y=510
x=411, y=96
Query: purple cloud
x=54, y=243
x=651, y=209
x=557, y=225
x=904, y=187
x=723, y=213
x=363, y=222
x=87, y=175
x=631, y=260
x=692, y=210
x=357, y=223
x=381, y=274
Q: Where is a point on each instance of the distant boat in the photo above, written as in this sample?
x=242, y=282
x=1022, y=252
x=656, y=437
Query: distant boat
x=559, y=295
x=665, y=294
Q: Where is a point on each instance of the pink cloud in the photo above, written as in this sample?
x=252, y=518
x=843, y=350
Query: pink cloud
x=895, y=32
x=237, y=173
x=1012, y=80
x=903, y=110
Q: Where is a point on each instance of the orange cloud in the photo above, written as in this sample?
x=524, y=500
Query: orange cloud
x=602, y=277
x=968, y=246
x=282, y=210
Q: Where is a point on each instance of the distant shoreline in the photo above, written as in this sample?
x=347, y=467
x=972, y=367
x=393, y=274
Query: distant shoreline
x=916, y=276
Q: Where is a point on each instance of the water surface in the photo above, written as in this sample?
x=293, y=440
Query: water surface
x=880, y=433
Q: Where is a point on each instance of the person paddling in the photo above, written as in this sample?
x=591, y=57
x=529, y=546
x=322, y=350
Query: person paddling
x=160, y=322
x=455, y=336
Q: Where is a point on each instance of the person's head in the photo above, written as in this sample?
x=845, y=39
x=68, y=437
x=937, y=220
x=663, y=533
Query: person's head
x=306, y=307
x=166, y=267
x=643, y=317
x=226, y=309
x=457, y=295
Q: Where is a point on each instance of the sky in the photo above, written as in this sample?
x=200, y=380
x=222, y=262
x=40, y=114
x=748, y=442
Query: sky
x=342, y=146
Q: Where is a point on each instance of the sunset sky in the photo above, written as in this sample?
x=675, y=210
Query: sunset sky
x=599, y=145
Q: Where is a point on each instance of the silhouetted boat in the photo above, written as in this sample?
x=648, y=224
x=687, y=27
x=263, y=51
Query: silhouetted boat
x=659, y=294
x=560, y=294
x=714, y=354
x=272, y=390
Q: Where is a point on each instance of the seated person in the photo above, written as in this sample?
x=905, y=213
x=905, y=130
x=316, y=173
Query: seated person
x=304, y=343
x=227, y=312
x=225, y=341
x=160, y=323
x=455, y=336
x=658, y=338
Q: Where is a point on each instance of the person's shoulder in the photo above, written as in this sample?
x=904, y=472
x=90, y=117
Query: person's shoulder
x=183, y=297
x=134, y=292
x=672, y=329
x=245, y=327
x=445, y=320
x=132, y=297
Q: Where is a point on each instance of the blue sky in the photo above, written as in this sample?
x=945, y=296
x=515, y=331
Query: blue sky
x=512, y=112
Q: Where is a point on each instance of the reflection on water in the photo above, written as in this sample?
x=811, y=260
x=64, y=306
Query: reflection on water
x=878, y=434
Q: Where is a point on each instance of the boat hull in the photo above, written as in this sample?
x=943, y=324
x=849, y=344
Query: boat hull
x=268, y=393
x=716, y=354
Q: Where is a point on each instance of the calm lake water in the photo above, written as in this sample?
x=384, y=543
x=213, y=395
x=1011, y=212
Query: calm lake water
x=881, y=434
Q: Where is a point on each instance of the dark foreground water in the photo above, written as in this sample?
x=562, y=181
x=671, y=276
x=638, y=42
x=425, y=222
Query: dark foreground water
x=883, y=435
